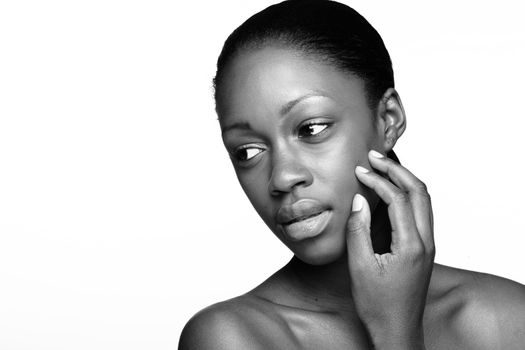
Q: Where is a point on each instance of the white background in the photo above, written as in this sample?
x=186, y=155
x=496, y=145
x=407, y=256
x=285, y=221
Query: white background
x=120, y=215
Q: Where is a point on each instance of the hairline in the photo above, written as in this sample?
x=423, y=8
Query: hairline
x=281, y=42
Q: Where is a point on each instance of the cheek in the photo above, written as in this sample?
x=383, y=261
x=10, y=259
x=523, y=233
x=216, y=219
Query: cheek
x=338, y=167
x=255, y=187
x=338, y=173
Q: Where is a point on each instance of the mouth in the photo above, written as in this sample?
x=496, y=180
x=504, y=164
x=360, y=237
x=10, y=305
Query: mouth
x=306, y=218
x=302, y=218
x=307, y=227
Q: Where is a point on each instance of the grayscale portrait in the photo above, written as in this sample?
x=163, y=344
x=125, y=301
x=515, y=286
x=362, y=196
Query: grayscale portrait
x=262, y=174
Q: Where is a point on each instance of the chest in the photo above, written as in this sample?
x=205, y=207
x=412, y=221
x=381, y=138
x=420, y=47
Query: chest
x=296, y=330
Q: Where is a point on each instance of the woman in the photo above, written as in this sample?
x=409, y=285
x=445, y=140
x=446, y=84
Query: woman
x=309, y=114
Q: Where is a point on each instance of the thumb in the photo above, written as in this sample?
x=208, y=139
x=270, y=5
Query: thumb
x=358, y=241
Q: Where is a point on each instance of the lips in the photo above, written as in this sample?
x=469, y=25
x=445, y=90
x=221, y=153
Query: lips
x=299, y=210
x=303, y=219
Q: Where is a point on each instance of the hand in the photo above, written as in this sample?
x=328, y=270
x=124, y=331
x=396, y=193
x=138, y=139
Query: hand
x=390, y=290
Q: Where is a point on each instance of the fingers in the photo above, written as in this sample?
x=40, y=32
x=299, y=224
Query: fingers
x=404, y=234
x=359, y=243
x=416, y=191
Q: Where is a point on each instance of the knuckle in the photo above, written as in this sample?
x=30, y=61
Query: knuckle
x=400, y=197
x=355, y=226
x=391, y=167
x=421, y=188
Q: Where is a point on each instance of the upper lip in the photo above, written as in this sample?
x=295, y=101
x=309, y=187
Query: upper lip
x=299, y=210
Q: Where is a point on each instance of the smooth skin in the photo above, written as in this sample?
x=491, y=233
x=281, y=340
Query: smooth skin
x=297, y=128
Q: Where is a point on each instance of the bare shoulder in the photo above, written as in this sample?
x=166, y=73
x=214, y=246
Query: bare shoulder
x=238, y=323
x=484, y=311
x=219, y=326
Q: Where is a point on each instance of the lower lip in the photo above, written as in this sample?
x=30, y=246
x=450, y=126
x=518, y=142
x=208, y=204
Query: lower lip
x=307, y=228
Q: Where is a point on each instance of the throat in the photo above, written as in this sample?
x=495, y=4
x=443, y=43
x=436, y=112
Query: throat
x=324, y=288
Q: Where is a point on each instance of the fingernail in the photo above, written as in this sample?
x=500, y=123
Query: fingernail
x=357, y=203
x=376, y=154
x=361, y=169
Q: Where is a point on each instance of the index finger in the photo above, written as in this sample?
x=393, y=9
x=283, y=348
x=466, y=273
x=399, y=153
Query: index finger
x=416, y=190
x=405, y=237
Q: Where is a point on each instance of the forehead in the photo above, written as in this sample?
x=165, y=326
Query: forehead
x=263, y=80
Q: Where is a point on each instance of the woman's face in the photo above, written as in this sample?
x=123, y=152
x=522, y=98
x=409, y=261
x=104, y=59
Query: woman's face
x=296, y=129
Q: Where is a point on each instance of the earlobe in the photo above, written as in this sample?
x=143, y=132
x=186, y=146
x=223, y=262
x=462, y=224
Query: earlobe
x=392, y=118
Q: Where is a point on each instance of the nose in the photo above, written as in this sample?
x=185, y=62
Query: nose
x=288, y=172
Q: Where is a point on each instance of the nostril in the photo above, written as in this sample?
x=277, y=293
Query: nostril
x=286, y=178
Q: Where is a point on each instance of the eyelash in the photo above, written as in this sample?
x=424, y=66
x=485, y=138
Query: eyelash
x=239, y=158
x=312, y=124
x=236, y=153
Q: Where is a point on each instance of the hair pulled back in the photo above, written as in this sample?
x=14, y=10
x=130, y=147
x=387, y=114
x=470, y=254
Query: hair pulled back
x=325, y=30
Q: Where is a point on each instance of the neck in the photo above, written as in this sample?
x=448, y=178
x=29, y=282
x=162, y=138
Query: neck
x=327, y=287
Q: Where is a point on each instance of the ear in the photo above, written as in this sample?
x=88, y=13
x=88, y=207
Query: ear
x=391, y=119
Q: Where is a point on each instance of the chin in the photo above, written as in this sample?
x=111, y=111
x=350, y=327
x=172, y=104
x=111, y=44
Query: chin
x=321, y=251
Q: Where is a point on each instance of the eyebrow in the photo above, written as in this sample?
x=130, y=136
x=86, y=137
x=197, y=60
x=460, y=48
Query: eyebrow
x=286, y=108
x=238, y=125
x=289, y=105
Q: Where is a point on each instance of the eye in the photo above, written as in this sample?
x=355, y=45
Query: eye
x=246, y=152
x=312, y=129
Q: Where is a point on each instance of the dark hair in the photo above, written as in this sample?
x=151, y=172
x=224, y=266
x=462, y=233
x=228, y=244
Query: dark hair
x=327, y=30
